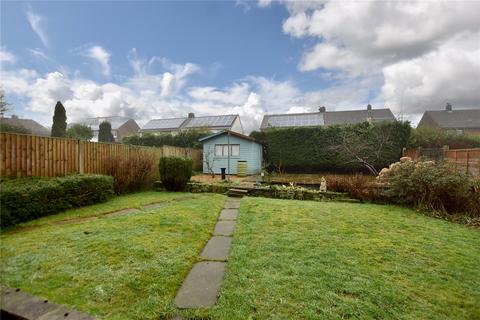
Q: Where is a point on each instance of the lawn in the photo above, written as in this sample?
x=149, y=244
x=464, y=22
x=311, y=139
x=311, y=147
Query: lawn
x=289, y=260
x=310, y=260
x=113, y=267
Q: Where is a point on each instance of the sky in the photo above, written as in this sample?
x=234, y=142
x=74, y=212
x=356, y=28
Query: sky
x=156, y=59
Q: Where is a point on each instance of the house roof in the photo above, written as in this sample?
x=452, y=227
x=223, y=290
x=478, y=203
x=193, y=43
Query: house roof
x=223, y=121
x=29, y=124
x=164, y=124
x=326, y=118
x=94, y=123
x=455, y=119
x=232, y=133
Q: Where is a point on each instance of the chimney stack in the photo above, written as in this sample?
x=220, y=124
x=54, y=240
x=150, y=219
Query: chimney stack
x=448, y=107
x=322, y=109
x=191, y=115
x=369, y=107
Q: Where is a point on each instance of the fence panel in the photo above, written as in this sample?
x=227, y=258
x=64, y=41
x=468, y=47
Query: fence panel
x=25, y=155
x=464, y=160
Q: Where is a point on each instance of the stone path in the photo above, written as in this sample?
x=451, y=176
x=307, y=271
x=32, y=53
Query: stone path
x=200, y=288
x=16, y=304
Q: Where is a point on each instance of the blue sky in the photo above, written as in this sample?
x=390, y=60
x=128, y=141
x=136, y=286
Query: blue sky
x=164, y=59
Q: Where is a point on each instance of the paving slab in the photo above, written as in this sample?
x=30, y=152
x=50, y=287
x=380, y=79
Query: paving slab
x=123, y=212
x=200, y=288
x=217, y=248
x=228, y=214
x=21, y=305
x=229, y=204
x=224, y=228
x=154, y=205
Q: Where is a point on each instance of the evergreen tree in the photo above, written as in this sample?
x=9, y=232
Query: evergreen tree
x=105, y=132
x=59, y=127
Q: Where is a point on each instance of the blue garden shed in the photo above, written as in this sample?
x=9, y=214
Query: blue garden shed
x=244, y=152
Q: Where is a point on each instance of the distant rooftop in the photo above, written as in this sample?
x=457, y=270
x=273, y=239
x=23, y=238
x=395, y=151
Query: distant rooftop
x=94, y=123
x=450, y=118
x=324, y=117
x=190, y=122
x=29, y=124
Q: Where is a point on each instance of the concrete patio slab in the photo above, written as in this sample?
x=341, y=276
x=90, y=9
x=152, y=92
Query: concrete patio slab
x=21, y=305
x=217, y=248
x=200, y=288
x=230, y=204
x=224, y=228
x=228, y=214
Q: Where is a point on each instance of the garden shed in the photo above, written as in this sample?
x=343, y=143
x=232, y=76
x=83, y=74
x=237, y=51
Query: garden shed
x=237, y=153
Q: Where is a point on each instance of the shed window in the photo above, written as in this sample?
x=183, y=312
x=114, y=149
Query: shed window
x=221, y=150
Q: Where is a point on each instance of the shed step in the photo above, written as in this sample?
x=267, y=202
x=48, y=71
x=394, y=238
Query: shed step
x=237, y=192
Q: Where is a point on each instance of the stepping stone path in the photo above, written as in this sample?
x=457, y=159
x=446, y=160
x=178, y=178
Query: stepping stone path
x=16, y=304
x=200, y=288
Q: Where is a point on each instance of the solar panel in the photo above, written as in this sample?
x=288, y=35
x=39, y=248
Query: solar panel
x=297, y=120
x=213, y=121
x=163, y=124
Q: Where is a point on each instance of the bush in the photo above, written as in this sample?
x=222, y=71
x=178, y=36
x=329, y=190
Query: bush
x=132, y=173
x=321, y=149
x=6, y=127
x=433, y=187
x=27, y=199
x=358, y=186
x=175, y=172
x=437, y=138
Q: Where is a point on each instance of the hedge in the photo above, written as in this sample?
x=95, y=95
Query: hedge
x=316, y=149
x=175, y=172
x=27, y=199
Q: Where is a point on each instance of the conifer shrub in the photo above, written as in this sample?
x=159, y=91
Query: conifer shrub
x=175, y=172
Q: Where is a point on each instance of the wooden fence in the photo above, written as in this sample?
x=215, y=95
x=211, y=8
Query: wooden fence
x=462, y=160
x=25, y=155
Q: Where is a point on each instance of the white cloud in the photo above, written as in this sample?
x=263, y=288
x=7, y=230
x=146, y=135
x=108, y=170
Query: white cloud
x=6, y=56
x=38, y=53
x=449, y=74
x=36, y=22
x=414, y=55
x=102, y=56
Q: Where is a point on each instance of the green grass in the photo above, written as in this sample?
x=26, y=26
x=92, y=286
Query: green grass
x=310, y=260
x=289, y=260
x=122, y=267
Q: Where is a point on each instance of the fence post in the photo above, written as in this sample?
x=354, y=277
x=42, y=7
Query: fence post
x=80, y=156
x=468, y=158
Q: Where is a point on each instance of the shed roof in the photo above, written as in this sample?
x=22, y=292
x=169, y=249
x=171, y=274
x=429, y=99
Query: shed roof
x=455, y=119
x=232, y=133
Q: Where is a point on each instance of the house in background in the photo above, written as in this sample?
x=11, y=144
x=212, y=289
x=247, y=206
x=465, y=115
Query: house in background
x=235, y=152
x=466, y=121
x=211, y=123
x=326, y=118
x=34, y=127
x=121, y=126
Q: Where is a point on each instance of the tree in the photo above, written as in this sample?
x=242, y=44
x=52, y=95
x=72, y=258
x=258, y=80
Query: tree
x=5, y=127
x=366, y=144
x=105, y=132
x=59, y=127
x=4, y=105
x=80, y=131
